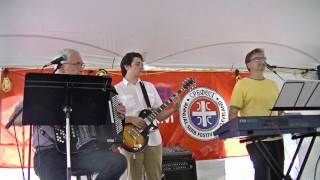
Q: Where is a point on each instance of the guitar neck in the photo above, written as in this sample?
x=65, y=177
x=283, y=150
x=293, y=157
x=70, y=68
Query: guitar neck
x=157, y=111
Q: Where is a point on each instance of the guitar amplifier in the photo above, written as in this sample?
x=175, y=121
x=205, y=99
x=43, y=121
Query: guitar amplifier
x=179, y=165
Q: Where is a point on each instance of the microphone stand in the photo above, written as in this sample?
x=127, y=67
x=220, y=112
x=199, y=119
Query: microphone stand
x=272, y=67
x=59, y=64
x=282, y=67
x=58, y=67
x=14, y=117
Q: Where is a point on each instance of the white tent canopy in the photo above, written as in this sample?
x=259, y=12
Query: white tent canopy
x=169, y=33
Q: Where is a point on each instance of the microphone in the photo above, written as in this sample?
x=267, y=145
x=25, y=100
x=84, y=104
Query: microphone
x=268, y=65
x=56, y=61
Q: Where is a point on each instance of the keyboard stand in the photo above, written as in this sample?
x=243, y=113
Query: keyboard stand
x=274, y=165
x=305, y=159
x=267, y=156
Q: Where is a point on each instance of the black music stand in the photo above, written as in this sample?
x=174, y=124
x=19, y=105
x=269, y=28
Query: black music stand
x=298, y=95
x=59, y=99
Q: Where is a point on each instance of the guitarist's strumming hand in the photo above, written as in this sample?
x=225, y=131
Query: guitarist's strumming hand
x=121, y=109
x=136, y=121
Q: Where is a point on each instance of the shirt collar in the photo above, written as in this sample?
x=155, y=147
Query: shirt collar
x=126, y=82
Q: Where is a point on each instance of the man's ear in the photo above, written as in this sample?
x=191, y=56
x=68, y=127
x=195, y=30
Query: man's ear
x=248, y=67
x=127, y=67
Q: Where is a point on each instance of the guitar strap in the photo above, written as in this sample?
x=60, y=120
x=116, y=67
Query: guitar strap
x=146, y=98
x=145, y=95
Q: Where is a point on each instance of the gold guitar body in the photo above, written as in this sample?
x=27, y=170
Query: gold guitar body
x=134, y=139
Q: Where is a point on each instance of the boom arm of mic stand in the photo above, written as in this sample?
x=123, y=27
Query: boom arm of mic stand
x=275, y=72
x=302, y=69
x=14, y=117
x=57, y=68
x=271, y=68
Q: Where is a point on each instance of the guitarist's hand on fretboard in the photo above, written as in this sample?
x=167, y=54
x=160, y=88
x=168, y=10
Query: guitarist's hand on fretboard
x=170, y=110
x=136, y=121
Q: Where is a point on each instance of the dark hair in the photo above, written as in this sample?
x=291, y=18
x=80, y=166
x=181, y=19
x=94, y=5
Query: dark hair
x=251, y=53
x=127, y=60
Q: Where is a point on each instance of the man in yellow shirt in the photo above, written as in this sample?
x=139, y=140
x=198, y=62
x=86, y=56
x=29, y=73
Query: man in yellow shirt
x=255, y=96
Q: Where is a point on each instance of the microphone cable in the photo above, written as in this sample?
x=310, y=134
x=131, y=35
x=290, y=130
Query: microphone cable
x=271, y=68
x=19, y=153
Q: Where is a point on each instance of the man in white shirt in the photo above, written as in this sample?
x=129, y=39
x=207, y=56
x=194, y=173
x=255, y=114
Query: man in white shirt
x=131, y=96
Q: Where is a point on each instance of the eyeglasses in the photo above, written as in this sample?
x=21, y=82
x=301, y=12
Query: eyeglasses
x=259, y=59
x=82, y=65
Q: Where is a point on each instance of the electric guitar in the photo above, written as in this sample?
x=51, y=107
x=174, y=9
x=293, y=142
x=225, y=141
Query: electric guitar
x=135, y=139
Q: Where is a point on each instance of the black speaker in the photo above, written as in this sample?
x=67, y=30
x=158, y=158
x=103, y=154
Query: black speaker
x=179, y=166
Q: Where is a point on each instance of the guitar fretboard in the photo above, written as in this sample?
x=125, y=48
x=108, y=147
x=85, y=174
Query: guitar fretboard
x=157, y=111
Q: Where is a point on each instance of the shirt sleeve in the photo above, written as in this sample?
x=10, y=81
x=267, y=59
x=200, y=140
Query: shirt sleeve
x=237, y=96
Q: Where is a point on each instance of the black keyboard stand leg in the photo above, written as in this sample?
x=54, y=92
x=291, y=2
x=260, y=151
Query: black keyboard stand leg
x=306, y=156
x=268, y=157
x=294, y=157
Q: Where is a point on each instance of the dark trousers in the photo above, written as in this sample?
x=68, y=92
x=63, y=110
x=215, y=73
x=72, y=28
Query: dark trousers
x=261, y=167
x=50, y=164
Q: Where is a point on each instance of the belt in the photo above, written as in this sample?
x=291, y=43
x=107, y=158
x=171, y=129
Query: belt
x=42, y=148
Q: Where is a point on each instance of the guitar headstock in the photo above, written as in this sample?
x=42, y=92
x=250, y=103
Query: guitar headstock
x=188, y=83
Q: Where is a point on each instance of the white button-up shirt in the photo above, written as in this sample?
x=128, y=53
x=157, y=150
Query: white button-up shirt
x=132, y=98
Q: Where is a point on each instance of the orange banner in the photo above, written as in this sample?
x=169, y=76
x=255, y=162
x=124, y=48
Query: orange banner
x=173, y=132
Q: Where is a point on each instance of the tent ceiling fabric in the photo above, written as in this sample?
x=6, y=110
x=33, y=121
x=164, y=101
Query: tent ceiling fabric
x=176, y=33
